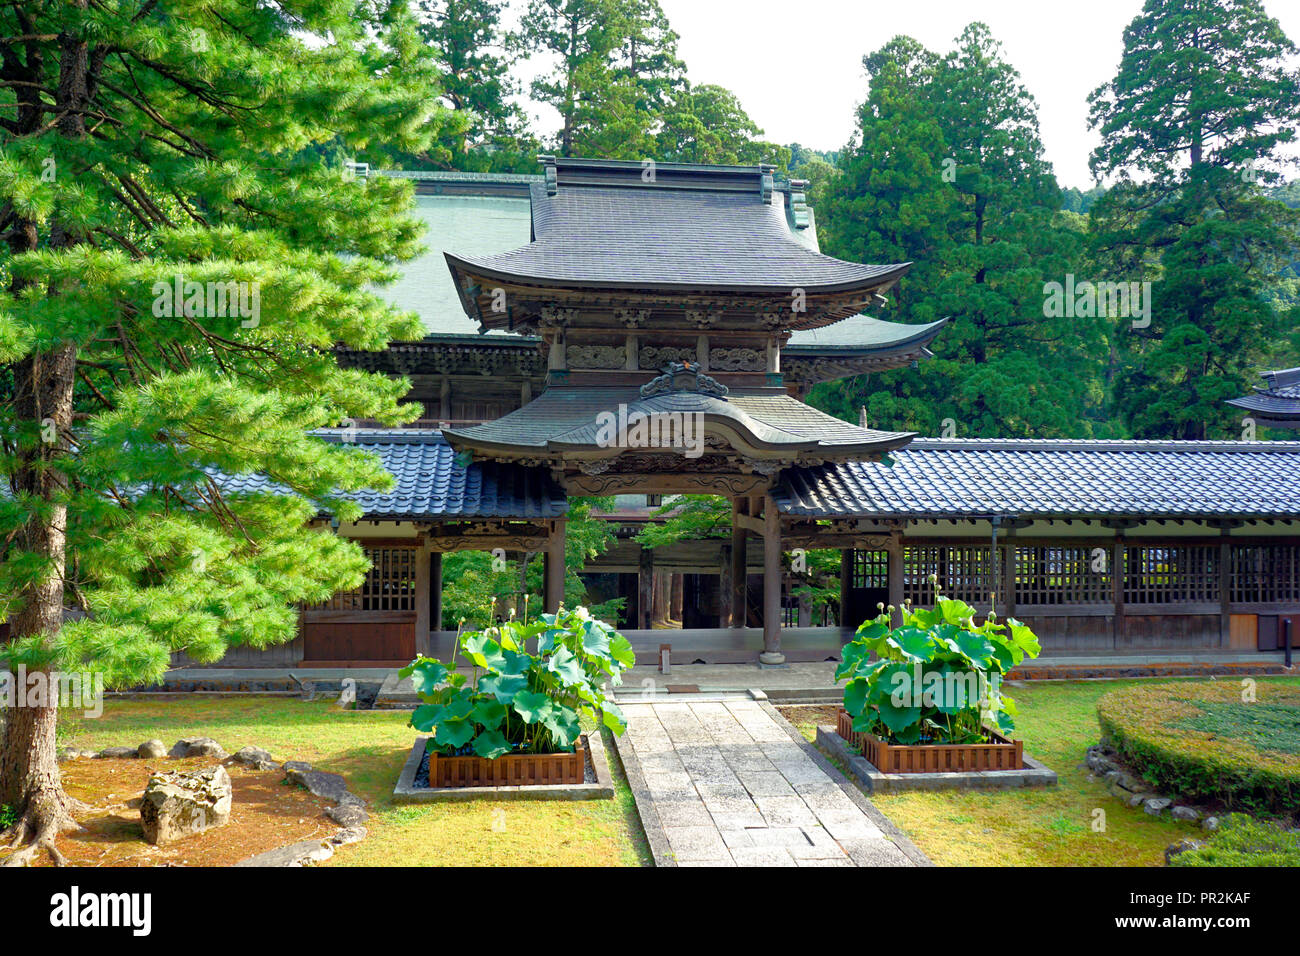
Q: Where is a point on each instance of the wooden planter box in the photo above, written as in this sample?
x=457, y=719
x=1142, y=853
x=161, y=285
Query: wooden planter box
x=1002, y=754
x=512, y=770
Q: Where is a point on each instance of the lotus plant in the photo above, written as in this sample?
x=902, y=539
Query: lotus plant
x=517, y=701
x=936, y=677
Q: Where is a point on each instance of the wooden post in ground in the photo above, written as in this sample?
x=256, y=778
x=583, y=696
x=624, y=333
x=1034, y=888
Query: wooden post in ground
x=771, y=584
x=895, y=577
x=846, y=589
x=645, y=589
x=435, y=591
x=554, y=574
x=724, y=586
x=1225, y=587
x=1117, y=587
x=739, y=564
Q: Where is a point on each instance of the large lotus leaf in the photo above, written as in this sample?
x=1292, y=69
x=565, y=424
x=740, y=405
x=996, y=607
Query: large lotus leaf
x=426, y=675
x=531, y=706
x=488, y=712
x=954, y=612
x=1005, y=654
x=563, y=724
x=852, y=656
x=595, y=638
x=892, y=680
x=897, y=718
x=504, y=687
x=620, y=649
x=613, y=717
x=482, y=650
x=425, y=716
x=871, y=630
x=950, y=690
x=566, y=667
x=926, y=617
x=908, y=735
x=514, y=663
x=454, y=733
x=1024, y=638
x=913, y=644
x=976, y=648
x=551, y=638
x=491, y=744
x=856, y=692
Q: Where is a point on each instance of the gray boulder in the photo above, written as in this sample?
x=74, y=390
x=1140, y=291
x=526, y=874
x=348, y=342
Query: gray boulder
x=116, y=753
x=1210, y=823
x=152, y=750
x=198, y=747
x=176, y=805
x=348, y=835
x=295, y=854
x=1182, y=846
x=1156, y=805
x=1190, y=814
x=331, y=786
x=255, y=758
x=348, y=815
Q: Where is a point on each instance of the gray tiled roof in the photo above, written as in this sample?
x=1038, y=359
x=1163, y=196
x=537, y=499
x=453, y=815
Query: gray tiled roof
x=565, y=417
x=430, y=486
x=1278, y=400
x=632, y=237
x=937, y=478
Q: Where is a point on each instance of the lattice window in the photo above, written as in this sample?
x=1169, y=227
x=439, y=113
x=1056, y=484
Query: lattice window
x=1075, y=574
x=389, y=584
x=1171, y=574
x=961, y=570
x=871, y=569
x=1265, y=573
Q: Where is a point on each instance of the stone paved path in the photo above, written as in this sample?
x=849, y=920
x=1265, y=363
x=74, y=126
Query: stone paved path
x=729, y=787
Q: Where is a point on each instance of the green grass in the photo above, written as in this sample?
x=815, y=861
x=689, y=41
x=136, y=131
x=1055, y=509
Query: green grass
x=1244, y=841
x=1264, y=726
x=1049, y=827
x=369, y=748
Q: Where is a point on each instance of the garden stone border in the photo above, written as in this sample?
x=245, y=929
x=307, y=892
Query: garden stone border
x=348, y=811
x=603, y=789
x=1034, y=774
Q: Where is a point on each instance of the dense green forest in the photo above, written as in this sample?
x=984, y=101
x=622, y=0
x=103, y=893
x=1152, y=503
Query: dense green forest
x=946, y=169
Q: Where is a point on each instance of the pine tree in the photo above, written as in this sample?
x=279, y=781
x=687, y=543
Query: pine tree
x=707, y=124
x=179, y=263
x=947, y=171
x=1193, y=127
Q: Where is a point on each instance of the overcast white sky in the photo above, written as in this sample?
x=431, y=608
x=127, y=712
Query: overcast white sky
x=797, y=64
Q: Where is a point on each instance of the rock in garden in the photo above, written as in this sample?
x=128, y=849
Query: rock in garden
x=1137, y=799
x=296, y=766
x=1182, y=846
x=1186, y=813
x=348, y=815
x=256, y=758
x=1130, y=783
x=152, y=750
x=198, y=747
x=116, y=753
x=178, y=804
x=1210, y=823
x=295, y=854
x=348, y=835
x=1156, y=805
x=328, y=785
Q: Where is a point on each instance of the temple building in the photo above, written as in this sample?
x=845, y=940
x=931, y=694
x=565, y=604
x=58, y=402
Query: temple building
x=640, y=331
x=1276, y=403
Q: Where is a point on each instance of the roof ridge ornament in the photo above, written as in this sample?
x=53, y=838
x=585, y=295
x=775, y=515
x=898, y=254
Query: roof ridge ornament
x=549, y=171
x=683, y=377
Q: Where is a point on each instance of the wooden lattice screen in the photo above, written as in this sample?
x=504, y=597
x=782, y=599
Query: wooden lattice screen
x=961, y=570
x=871, y=569
x=389, y=584
x=1171, y=574
x=1063, y=575
x=1265, y=573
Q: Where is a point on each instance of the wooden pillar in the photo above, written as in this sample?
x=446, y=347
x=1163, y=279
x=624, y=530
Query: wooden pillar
x=724, y=586
x=435, y=591
x=444, y=399
x=771, y=585
x=425, y=588
x=677, y=590
x=895, y=572
x=645, y=589
x=1117, y=587
x=739, y=563
x=554, y=568
x=1225, y=587
x=846, y=589
x=1009, y=573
